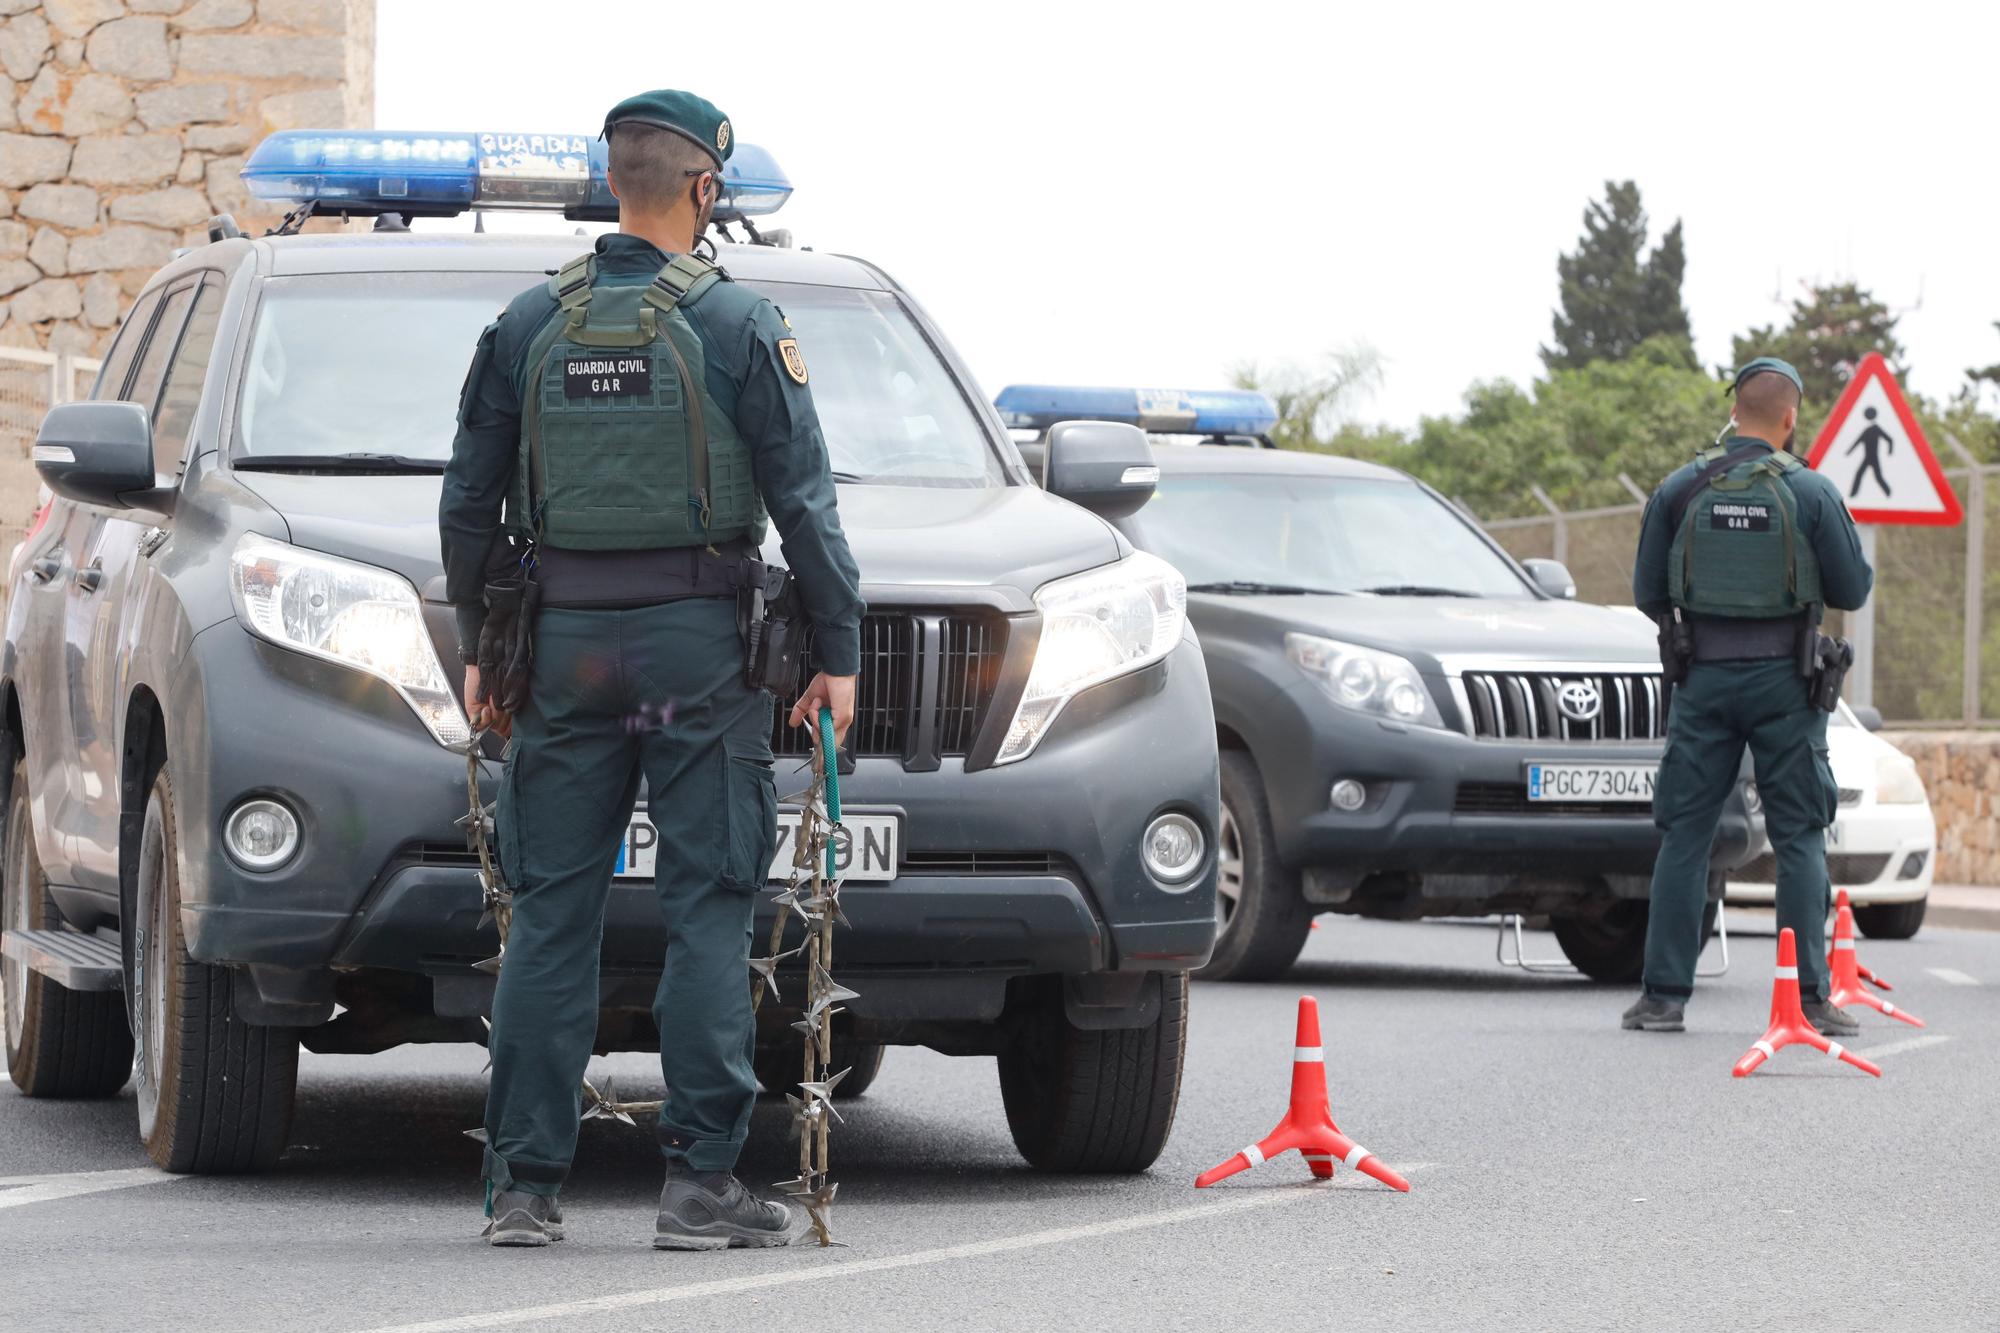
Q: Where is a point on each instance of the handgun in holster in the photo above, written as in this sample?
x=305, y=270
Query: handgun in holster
x=1676, y=648
x=769, y=616
x=1824, y=662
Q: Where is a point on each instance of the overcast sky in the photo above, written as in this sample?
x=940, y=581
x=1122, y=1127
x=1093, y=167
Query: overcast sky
x=1152, y=194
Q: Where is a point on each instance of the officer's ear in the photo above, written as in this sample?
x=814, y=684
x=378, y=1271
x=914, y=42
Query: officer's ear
x=611, y=184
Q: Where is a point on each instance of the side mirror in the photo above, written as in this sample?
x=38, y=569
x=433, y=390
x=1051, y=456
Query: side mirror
x=97, y=453
x=1105, y=466
x=1869, y=717
x=1552, y=578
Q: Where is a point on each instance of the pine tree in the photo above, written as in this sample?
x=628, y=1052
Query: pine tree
x=1614, y=295
x=1832, y=327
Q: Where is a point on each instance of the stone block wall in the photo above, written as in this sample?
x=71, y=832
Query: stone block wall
x=123, y=129
x=1961, y=771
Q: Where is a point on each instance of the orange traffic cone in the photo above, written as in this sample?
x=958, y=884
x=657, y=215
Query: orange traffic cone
x=1860, y=968
x=1788, y=1019
x=1308, y=1124
x=1847, y=988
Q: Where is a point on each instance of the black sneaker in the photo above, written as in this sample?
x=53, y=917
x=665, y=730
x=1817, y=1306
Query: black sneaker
x=1654, y=1014
x=524, y=1219
x=712, y=1211
x=1831, y=1020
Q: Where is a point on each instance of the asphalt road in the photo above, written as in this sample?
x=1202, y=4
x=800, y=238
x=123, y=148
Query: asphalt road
x=1566, y=1175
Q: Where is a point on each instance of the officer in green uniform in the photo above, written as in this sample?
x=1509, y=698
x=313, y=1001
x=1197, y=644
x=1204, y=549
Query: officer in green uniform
x=1737, y=552
x=630, y=422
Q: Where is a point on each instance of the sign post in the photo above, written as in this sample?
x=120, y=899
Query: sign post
x=1872, y=449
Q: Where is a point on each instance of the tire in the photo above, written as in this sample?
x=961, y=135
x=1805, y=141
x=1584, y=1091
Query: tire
x=60, y=1042
x=1262, y=918
x=215, y=1093
x=778, y=1066
x=1610, y=948
x=1082, y=1100
x=1892, y=921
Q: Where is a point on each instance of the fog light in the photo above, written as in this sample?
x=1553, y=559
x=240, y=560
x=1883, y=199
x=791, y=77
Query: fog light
x=1348, y=795
x=1753, y=800
x=261, y=834
x=1172, y=849
x=1913, y=865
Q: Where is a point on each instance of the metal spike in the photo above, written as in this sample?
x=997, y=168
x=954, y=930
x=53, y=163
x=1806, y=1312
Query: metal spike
x=476, y=1135
x=823, y=1089
x=490, y=966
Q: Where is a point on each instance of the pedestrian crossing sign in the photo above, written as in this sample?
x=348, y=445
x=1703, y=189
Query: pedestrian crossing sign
x=1872, y=449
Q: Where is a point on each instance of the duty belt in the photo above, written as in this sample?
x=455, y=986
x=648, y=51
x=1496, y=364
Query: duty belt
x=1721, y=639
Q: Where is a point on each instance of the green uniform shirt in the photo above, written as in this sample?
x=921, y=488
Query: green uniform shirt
x=746, y=375
x=1844, y=575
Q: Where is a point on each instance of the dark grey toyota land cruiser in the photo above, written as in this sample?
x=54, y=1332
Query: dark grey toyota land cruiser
x=234, y=762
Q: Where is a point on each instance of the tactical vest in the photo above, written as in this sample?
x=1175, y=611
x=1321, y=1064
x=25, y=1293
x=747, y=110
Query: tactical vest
x=623, y=448
x=1737, y=550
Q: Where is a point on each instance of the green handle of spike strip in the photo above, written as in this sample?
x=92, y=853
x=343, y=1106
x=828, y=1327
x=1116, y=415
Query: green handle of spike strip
x=830, y=766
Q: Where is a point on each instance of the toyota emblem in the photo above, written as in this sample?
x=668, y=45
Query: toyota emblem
x=1579, y=700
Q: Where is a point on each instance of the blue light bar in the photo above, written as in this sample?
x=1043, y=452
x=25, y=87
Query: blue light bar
x=364, y=172
x=1161, y=411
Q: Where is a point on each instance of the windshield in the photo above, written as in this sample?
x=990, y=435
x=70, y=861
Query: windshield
x=1331, y=534
x=373, y=362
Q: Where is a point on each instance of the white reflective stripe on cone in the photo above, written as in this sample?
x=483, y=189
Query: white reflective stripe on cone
x=1309, y=1054
x=1888, y=1008
x=1788, y=974
x=1354, y=1156
x=1834, y=1048
x=1254, y=1155
x=1764, y=1046
x=1844, y=944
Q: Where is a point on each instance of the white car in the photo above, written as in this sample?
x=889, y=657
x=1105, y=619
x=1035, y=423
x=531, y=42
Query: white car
x=1882, y=845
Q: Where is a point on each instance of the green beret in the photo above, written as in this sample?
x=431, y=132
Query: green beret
x=695, y=119
x=1771, y=364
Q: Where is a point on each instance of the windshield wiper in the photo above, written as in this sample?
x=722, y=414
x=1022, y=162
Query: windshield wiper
x=352, y=462
x=1417, y=590
x=1249, y=587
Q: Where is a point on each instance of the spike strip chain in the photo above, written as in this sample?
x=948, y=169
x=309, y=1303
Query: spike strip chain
x=813, y=894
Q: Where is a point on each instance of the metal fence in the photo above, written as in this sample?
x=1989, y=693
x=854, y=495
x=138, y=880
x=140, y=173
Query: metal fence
x=31, y=382
x=1937, y=594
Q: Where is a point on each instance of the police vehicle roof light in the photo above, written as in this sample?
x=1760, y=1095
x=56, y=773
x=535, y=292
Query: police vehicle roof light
x=1160, y=411
x=366, y=172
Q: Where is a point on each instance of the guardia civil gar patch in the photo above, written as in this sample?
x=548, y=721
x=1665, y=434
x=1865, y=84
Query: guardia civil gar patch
x=795, y=363
x=1732, y=516
x=607, y=376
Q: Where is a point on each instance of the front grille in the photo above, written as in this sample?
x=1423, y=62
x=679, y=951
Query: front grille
x=1527, y=705
x=1850, y=796
x=1511, y=798
x=978, y=863
x=926, y=682
x=1841, y=868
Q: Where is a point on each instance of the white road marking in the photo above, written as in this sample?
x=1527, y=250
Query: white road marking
x=18, y=1191
x=1240, y=1202
x=1953, y=975
x=1907, y=1044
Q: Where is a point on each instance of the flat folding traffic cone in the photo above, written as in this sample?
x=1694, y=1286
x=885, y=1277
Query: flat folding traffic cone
x=1788, y=1019
x=1847, y=988
x=1308, y=1123
x=1860, y=968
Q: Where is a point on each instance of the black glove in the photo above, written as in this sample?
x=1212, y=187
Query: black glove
x=497, y=637
x=513, y=684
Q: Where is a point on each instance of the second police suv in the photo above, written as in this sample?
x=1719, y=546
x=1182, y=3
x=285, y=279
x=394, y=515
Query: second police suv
x=233, y=739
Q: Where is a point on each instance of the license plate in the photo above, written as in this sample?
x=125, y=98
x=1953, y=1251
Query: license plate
x=1596, y=783
x=866, y=850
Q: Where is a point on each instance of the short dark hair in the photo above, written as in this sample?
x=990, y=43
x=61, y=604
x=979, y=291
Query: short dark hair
x=651, y=165
x=1765, y=397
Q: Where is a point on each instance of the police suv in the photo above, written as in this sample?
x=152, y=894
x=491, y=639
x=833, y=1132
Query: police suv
x=1412, y=724
x=234, y=748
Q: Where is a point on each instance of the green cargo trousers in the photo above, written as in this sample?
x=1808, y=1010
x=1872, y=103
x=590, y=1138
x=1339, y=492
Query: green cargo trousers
x=1723, y=707
x=603, y=683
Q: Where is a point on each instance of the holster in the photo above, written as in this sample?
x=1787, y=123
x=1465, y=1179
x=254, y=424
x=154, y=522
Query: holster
x=1832, y=658
x=1676, y=648
x=770, y=619
x=506, y=641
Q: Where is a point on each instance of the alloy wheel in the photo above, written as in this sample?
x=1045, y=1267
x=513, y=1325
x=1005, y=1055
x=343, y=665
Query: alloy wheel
x=1228, y=868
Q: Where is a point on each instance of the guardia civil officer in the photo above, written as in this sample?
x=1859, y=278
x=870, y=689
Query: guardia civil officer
x=1738, y=551
x=623, y=430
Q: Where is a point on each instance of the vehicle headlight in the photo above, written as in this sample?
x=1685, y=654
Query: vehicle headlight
x=350, y=613
x=1365, y=679
x=1095, y=626
x=1896, y=781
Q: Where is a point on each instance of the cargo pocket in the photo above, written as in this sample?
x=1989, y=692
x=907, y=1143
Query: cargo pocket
x=507, y=819
x=1673, y=788
x=1829, y=787
x=750, y=816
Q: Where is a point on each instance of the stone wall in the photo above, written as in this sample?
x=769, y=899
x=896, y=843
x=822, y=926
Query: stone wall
x=1961, y=771
x=124, y=129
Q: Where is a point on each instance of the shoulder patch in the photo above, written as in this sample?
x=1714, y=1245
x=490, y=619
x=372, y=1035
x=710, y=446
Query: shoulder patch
x=795, y=364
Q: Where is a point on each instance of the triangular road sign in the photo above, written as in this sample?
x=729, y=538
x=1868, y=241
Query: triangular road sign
x=1872, y=448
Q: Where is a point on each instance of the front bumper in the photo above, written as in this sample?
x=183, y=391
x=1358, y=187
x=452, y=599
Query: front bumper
x=382, y=879
x=1441, y=803
x=1869, y=851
